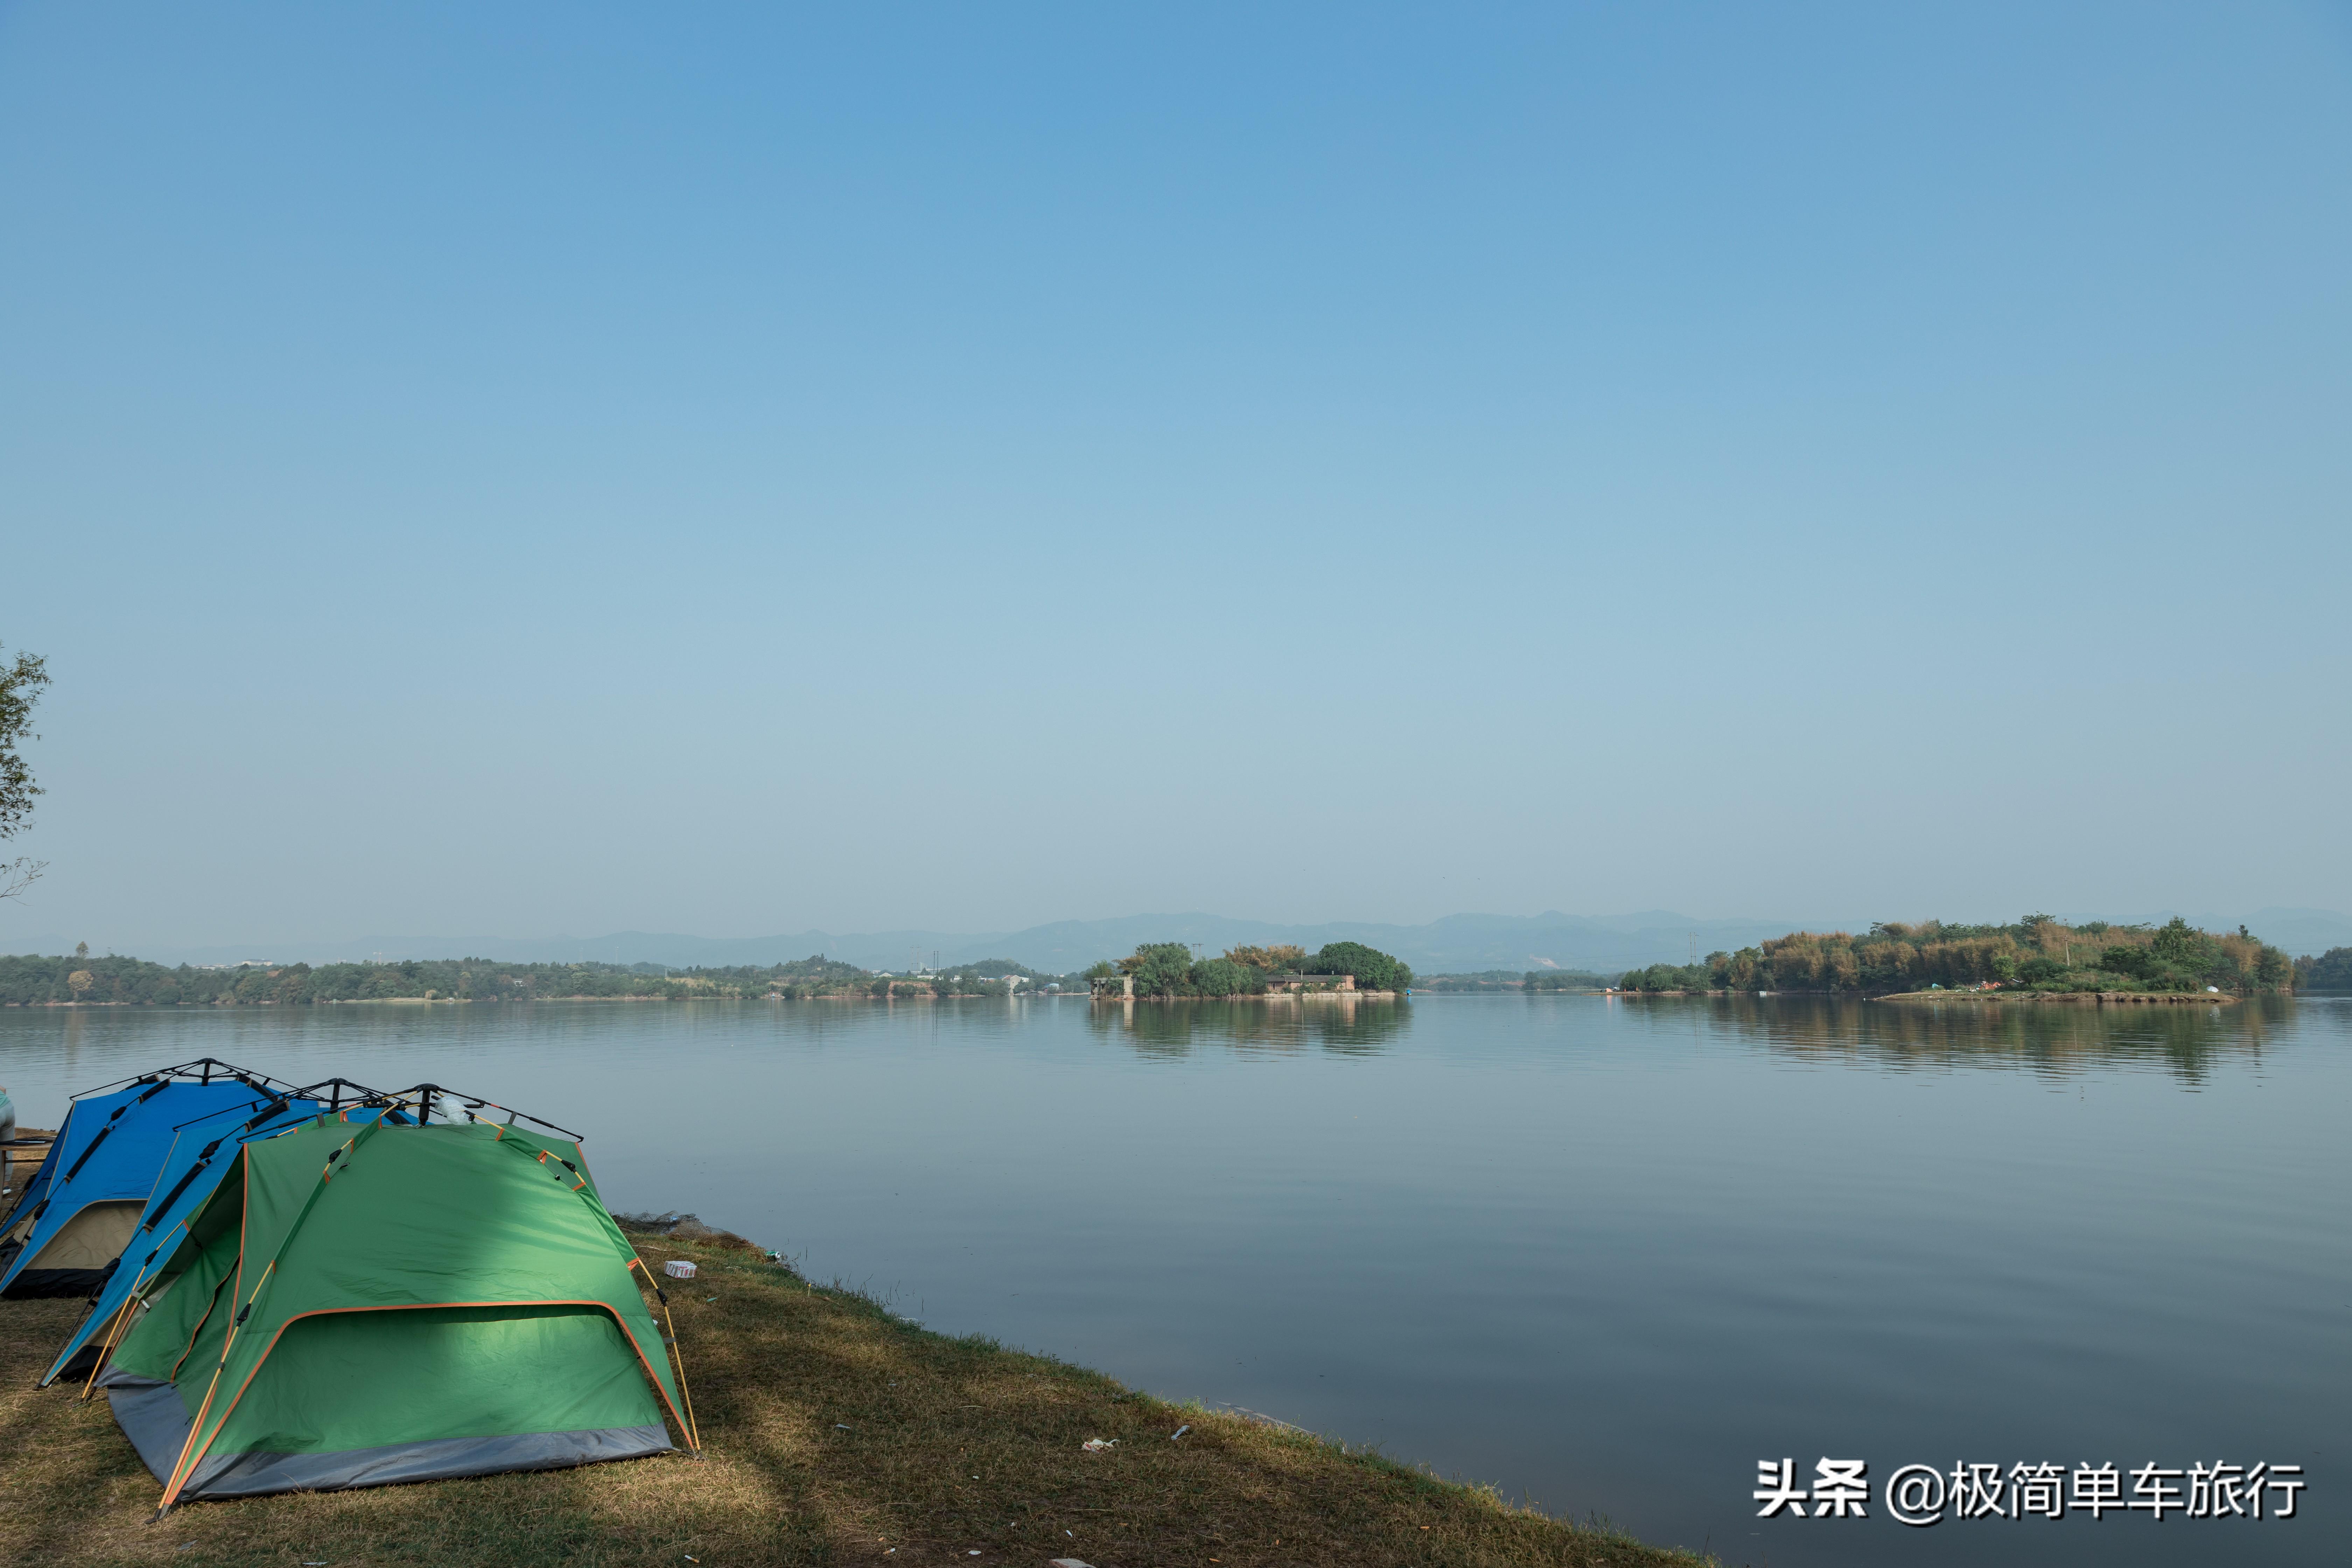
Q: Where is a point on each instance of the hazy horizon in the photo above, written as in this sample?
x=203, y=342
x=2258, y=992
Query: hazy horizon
x=538, y=470
x=1463, y=941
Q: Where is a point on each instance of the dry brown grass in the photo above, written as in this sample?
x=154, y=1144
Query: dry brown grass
x=835, y=1433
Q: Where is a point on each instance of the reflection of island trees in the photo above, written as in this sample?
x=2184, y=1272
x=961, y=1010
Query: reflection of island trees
x=1341, y=1025
x=2186, y=1041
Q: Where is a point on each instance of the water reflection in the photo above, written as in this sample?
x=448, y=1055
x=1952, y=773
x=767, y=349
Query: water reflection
x=1606, y=1254
x=2186, y=1041
x=1343, y=1026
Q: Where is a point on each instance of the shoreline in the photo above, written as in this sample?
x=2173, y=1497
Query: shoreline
x=837, y=1431
x=2074, y=998
x=834, y=996
x=1257, y=996
x=2064, y=998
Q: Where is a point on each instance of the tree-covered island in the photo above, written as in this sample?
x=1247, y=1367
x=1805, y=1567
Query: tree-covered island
x=2037, y=955
x=1167, y=969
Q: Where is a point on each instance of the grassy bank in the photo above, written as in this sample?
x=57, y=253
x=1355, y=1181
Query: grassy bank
x=835, y=1433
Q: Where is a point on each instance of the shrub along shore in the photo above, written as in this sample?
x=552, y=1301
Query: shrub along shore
x=834, y=1432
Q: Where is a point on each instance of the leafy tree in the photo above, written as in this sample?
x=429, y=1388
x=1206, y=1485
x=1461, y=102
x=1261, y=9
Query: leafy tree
x=1373, y=969
x=2331, y=971
x=2181, y=946
x=1160, y=968
x=1560, y=980
x=20, y=689
x=1225, y=977
x=1666, y=977
x=1283, y=958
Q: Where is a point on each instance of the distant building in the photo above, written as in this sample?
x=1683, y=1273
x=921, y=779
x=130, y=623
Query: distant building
x=1307, y=981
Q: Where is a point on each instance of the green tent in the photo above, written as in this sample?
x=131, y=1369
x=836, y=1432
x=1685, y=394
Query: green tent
x=364, y=1303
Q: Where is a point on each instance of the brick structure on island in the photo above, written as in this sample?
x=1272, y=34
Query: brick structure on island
x=1287, y=983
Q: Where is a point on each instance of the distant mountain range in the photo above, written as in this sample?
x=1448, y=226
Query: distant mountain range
x=1456, y=944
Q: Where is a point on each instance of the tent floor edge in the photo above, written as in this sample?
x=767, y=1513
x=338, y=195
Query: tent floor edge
x=151, y=1416
x=35, y=1284
x=80, y=1365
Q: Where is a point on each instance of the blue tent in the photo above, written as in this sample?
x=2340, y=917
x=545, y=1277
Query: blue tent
x=86, y=1200
x=202, y=1151
x=34, y=1205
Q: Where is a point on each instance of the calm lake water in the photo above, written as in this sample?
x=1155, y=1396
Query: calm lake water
x=1604, y=1254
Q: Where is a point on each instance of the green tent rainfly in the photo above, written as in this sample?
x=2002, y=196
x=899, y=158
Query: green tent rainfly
x=359, y=1304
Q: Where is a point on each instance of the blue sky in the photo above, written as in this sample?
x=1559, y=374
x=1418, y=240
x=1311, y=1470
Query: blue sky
x=535, y=468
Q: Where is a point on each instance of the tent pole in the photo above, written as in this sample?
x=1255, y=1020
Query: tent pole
x=113, y=1328
x=171, y=1487
x=678, y=1353
x=228, y=1345
x=690, y=1428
